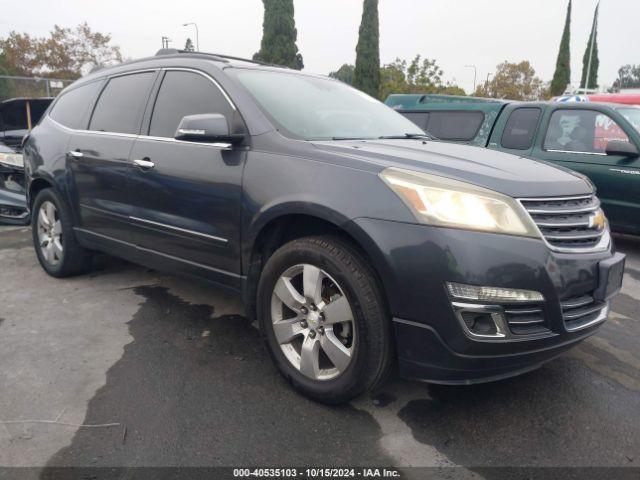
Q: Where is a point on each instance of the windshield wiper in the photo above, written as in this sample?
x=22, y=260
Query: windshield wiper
x=424, y=136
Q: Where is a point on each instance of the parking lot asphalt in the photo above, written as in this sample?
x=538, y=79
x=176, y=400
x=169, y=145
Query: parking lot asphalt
x=166, y=371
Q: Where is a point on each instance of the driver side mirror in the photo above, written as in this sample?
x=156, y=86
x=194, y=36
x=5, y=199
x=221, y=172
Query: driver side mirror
x=624, y=149
x=206, y=128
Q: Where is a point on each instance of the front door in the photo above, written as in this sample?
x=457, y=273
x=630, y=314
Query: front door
x=98, y=158
x=577, y=139
x=186, y=196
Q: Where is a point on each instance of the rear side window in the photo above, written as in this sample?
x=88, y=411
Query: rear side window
x=121, y=104
x=14, y=116
x=454, y=125
x=419, y=118
x=71, y=108
x=182, y=94
x=520, y=129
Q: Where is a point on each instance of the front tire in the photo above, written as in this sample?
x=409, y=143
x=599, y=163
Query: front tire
x=324, y=319
x=56, y=246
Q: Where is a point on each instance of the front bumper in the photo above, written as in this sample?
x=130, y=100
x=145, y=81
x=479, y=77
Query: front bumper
x=415, y=262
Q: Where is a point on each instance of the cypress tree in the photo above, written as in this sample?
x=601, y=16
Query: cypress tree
x=279, y=35
x=595, y=61
x=562, y=75
x=367, y=72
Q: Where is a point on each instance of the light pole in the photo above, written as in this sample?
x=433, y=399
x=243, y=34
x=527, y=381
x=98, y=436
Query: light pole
x=475, y=74
x=197, y=36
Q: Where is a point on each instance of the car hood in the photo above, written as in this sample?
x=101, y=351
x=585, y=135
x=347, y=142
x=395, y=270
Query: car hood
x=502, y=172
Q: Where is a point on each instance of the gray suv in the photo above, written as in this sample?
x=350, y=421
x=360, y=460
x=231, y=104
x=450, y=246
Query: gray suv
x=358, y=243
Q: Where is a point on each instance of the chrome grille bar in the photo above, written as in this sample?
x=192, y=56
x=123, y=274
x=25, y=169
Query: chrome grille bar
x=568, y=224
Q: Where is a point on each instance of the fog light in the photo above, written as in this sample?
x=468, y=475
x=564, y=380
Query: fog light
x=492, y=294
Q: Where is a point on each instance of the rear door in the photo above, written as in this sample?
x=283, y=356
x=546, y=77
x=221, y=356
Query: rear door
x=98, y=157
x=576, y=137
x=186, y=201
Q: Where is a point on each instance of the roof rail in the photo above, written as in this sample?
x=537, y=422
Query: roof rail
x=221, y=57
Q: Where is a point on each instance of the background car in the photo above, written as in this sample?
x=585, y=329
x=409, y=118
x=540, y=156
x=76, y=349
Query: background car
x=17, y=118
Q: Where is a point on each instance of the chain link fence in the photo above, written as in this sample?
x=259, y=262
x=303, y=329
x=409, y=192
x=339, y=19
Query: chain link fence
x=15, y=86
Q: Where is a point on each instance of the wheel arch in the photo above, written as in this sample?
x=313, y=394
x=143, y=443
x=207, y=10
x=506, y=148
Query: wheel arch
x=279, y=229
x=36, y=186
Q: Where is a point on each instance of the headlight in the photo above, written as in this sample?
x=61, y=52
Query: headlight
x=13, y=159
x=441, y=201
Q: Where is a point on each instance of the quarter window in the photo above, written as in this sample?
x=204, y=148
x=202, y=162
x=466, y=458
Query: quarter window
x=582, y=131
x=182, y=94
x=71, y=108
x=520, y=128
x=121, y=104
x=454, y=125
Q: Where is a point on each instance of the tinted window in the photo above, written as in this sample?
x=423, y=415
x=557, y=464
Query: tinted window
x=419, y=118
x=71, y=108
x=120, y=106
x=520, y=129
x=14, y=116
x=461, y=126
x=584, y=131
x=182, y=94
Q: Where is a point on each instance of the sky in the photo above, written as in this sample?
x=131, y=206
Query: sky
x=455, y=33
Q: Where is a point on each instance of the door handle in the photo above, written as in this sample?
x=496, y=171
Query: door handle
x=144, y=164
x=76, y=153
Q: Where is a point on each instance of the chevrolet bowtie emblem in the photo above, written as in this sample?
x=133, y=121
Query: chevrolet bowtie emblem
x=597, y=220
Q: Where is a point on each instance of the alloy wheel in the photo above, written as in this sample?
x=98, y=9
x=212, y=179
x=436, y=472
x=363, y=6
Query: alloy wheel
x=313, y=322
x=50, y=233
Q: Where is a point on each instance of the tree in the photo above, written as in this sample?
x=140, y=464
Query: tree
x=21, y=53
x=628, y=77
x=562, y=75
x=590, y=61
x=279, y=35
x=367, y=71
x=514, y=81
x=344, y=73
x=188, y=46
x=419, y=76
x=67, y=53
x=6, y=86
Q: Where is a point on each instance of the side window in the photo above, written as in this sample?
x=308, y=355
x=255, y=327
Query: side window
x=182, y=94
x=582, y=131
x=419, y=118
x=121, y=104
x=455, y=125
x=71, y=108
x=520, y=128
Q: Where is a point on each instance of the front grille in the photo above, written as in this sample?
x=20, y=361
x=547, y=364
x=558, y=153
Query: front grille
x=567, y=223
x=526, y=320
x=581, y=312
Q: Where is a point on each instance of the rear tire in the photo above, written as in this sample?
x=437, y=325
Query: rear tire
x=355, y=354
x=57, y=249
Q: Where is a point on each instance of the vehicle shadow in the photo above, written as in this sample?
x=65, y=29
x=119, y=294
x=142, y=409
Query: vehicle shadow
x=197, y=389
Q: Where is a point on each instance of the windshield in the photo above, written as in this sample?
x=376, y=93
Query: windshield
x=313, y=108
x=633, y=115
